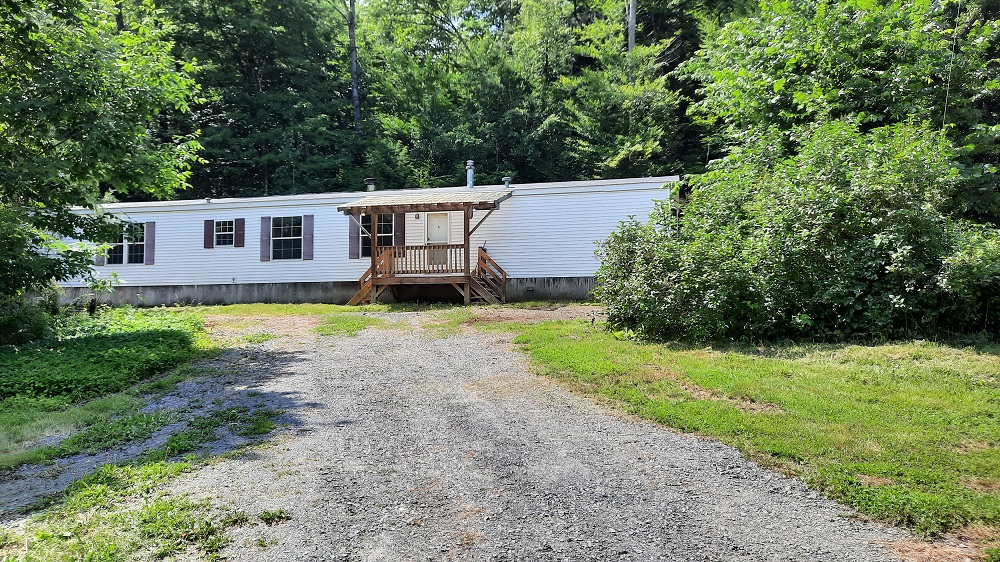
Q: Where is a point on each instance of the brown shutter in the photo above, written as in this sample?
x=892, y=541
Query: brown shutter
x=265, y=238
x=354, y=237
x=209, y=233
x=150, y=249
x=399, y=229
x=307, y=237
x=239, y=232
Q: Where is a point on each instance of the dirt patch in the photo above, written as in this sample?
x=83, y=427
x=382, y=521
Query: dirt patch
x=657, y=372
x=970, y=447
x=949, y=550
x=869, y=480
x=490, y=315
x=986, y=484
x=231, y=327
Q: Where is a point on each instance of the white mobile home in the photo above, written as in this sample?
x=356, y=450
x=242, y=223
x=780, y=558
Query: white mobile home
x=538, y=241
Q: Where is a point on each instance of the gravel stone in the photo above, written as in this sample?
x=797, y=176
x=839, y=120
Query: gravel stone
x=400, y=446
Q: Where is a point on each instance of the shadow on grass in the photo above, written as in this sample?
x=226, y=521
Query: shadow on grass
x=220, y=410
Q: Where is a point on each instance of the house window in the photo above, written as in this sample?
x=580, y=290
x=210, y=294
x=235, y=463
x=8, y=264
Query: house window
x=130, y=246
x=225, y=233
x=385, y=232
x=286, y=238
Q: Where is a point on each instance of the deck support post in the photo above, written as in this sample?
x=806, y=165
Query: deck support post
x=373, y=233
x=467, y=214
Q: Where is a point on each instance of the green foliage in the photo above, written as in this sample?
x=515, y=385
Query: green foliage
x=81, y=103
x=849, y=237
x=89, y=357
x=898, y=431
x=116, y=513
x=23, y=320
x=272, y=517
x=878, y=64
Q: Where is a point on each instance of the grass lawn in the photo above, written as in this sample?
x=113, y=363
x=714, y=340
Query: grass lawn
x=906, y=433
x=86, y=379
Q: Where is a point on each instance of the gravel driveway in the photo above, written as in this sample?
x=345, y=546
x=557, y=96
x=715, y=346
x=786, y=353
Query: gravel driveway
x=407, y=447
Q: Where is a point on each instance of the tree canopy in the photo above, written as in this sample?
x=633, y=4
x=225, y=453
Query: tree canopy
x=81, y=97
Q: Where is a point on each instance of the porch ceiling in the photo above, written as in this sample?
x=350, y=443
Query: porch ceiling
x=423, y=202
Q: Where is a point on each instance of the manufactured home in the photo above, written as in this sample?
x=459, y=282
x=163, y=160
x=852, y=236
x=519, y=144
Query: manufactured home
x=492, y=243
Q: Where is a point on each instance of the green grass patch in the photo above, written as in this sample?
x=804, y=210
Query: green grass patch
x=447, y=322
x=349, y=324
x=258, y=338
x=908, y=433
x=117, y=513
x=86, y=376
x=263, y=309
x=91, y=357
x=120, y=513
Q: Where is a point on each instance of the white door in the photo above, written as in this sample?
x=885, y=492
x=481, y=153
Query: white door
x=437, y=228
x=437, y=233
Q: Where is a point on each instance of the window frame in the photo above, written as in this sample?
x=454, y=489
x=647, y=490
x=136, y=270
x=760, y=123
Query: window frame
x=124, y=250
x=279, y=254
x=231, y=233
x=364, y=232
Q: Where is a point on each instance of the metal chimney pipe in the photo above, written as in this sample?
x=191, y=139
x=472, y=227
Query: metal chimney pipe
x=506, y=181
x=470, y=174
x=369, y=184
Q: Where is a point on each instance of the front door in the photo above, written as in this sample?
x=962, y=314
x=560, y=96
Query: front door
x=437, y=233
x=437, y=228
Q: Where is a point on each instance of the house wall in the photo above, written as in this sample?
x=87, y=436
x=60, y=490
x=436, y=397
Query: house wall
x=543, y=231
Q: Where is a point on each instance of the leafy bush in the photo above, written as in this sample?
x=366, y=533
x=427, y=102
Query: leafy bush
x=23, y=320
x=851, y=237
x=88, y=357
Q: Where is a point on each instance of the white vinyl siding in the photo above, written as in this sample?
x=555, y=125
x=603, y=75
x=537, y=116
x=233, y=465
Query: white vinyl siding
x=543, y=230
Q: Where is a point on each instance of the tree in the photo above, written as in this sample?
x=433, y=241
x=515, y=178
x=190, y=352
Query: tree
x=78, y=123
x=850, y=237
x=798, y=63
x=278, y=116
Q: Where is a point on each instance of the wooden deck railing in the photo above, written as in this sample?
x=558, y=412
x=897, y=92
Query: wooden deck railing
x=491, y=275
x=421, y=260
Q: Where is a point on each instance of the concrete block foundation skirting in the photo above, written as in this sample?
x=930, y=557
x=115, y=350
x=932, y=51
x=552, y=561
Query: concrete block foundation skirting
x=333, y=292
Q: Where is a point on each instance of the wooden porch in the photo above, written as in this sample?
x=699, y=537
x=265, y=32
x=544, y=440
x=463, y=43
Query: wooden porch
x=471, y=271
x=438, y=264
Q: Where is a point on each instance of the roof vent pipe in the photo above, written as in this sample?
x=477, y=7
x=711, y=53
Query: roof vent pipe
x=470, y=174
x=369, y=184
x=506, y=181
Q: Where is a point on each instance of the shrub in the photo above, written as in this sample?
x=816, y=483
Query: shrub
x=23, y=320
x=851, y=237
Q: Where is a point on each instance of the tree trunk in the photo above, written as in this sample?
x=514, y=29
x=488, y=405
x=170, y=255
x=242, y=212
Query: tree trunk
x=631, y=24
x=355, y=96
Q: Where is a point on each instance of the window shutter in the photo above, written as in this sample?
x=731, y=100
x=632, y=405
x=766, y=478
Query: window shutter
x=209, y=233
x=354, y=237
x=399, y=229
x=150, y=249
x=100, y=258
x=307, y=236
x=239, y=232
x=265, y=238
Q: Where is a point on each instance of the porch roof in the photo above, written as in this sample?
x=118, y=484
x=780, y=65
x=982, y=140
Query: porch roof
x=422, y=201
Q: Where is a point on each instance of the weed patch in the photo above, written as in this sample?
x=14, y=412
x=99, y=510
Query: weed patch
x=273, y=517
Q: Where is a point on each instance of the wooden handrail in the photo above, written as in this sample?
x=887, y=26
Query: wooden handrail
x=421, y=260
x=491, y=274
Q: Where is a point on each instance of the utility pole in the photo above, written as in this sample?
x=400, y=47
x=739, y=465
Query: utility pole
x=631, y=24
x=355, y=96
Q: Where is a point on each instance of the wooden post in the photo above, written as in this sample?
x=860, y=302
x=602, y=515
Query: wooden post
x=373, y=232
x=468, y=271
